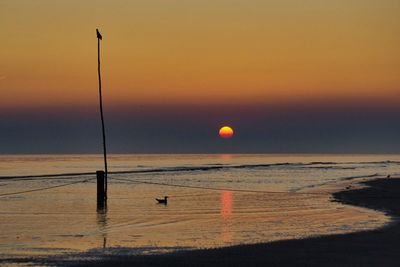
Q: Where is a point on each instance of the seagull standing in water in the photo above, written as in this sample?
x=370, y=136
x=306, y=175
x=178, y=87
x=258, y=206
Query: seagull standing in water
x=162, y=201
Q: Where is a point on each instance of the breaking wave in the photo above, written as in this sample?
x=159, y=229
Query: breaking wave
x=216, y=167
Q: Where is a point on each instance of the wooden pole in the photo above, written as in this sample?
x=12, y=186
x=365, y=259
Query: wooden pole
x=100, y=190
x=99, y=37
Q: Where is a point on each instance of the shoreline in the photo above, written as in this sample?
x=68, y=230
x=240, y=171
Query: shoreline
x=377, y=247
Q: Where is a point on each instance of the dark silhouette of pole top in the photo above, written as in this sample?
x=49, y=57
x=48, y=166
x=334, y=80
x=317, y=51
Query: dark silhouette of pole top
x=99, y=35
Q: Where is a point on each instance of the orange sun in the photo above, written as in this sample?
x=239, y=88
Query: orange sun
x=226, y=132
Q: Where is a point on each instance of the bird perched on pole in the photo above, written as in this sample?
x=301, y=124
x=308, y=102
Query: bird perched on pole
x=99, y=35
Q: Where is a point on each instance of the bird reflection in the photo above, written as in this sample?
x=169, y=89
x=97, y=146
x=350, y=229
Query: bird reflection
x=101, y=219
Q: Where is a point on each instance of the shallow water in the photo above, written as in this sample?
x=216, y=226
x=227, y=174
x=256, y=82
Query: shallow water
x=215, y=200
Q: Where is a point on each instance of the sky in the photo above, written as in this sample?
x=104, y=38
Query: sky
x=289, y=76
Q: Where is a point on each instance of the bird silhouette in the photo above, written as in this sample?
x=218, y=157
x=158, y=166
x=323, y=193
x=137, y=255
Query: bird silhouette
x=99, y=35
x=162, y=201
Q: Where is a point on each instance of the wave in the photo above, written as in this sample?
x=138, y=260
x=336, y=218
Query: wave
x=329, y=168
x=210, y=167
x=336, y=180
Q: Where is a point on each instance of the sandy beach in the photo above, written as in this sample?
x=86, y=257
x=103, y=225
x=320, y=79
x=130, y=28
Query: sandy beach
x=368, y=248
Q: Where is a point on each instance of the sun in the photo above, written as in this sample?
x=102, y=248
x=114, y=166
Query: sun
x=226, y=132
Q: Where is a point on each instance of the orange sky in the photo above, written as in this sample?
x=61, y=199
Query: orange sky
x=183, y=52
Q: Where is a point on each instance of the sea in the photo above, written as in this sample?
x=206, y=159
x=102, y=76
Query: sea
x=48, y=203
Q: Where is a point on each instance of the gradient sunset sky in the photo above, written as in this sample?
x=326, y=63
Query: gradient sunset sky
x=288, y=76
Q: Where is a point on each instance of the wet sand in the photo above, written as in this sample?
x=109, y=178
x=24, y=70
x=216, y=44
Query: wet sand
x=378, y=247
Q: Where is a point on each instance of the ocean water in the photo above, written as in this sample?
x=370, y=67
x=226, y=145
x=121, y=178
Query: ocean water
x=214, y=201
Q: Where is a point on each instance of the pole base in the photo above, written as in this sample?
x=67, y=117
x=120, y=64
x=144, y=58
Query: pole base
x=101, y=196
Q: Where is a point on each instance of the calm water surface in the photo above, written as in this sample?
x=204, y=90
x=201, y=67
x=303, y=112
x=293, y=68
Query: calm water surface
x=215, y=200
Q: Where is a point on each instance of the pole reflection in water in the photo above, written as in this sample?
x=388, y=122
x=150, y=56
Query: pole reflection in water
x=226, y=215
x=101, y=219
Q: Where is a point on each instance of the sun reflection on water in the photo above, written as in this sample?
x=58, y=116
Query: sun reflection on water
x=226, y=215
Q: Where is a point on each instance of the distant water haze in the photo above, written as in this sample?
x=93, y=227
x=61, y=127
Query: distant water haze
x=307, y=128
